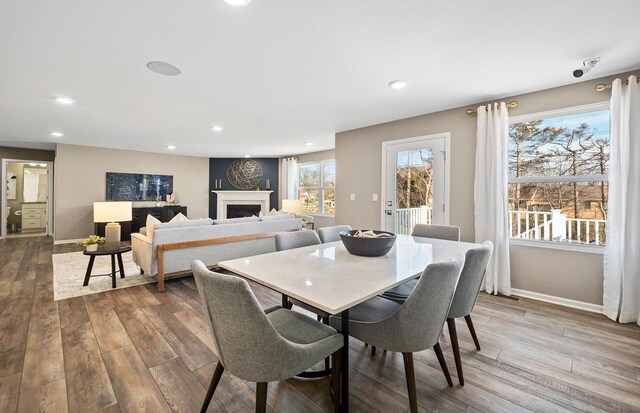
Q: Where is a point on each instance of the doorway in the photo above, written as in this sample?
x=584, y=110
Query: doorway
x=26, y=206
x=415, y=177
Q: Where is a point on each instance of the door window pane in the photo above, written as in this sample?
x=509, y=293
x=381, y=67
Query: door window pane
x=414, y=189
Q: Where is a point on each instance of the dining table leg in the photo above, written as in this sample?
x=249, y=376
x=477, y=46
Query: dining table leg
x=344, y=397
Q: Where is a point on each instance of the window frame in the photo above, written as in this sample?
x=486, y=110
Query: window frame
x=574, y=110
x=320, y=188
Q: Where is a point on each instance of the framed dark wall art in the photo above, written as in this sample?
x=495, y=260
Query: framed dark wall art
x=138, y=187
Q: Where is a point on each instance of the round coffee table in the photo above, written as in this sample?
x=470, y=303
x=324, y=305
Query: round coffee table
x=114, y=252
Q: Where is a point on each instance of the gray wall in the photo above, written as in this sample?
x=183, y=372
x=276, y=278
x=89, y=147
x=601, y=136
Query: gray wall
x=80, y=179
x=26, y=155
x=319, y=221
x=572, y=275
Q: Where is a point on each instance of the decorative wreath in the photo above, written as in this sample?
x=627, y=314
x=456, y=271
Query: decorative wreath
x=244, y=173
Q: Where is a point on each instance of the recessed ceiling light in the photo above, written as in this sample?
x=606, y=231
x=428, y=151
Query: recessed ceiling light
x=216, y=128
x=398, y=84
x=237, y=2
x=64, y=101
x=171, y=147
x=57, y=134
x=309, y=143
x=164, y=68
x=247, y=156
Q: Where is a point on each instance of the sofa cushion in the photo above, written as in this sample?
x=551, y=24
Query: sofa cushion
x=182, y=224
x=151, y=223
x=235, y=220
x=276, y=217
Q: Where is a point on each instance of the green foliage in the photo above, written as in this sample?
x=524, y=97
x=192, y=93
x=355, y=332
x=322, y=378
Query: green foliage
x=92, y=239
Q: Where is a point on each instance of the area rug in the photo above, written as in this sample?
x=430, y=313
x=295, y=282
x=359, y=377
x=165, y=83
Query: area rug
x=69, y=270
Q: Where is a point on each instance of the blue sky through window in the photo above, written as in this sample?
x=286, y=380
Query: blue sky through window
x=416, y=159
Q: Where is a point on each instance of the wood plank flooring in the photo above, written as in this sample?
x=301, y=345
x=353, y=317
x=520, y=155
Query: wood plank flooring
x=135, y=350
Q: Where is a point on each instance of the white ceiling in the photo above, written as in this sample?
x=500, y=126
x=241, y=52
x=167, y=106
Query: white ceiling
x=279, y=73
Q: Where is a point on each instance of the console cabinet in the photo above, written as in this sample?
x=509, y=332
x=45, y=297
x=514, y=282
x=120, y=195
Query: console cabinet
x=139, y=219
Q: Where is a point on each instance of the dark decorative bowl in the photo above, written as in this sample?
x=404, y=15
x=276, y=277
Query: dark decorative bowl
x=368, y=247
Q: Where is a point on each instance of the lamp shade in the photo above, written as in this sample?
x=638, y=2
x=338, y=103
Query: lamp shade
x=112, y=211
x=292, y=206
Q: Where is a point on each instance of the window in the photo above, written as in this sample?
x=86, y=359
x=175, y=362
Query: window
x=558, y=185
x=317, y=183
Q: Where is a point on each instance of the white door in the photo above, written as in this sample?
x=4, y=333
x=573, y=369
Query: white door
x=415, y=183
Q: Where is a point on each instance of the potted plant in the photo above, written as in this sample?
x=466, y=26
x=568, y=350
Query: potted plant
x=91, y=243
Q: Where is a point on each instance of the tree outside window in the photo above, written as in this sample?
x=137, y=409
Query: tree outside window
x=558, y=185
x=316, y=183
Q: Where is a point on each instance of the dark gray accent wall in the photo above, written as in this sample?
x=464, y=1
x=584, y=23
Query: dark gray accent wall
x=218, y=170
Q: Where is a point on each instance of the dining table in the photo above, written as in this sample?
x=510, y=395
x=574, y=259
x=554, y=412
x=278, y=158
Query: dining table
x=329, y=278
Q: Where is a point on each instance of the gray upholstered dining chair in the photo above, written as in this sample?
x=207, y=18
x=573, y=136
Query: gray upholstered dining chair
x=414, y=325
x=299, y=239
x=260, y=346
x=296, y=239
x=331, y=234
x=464, y=299
x=447, y=232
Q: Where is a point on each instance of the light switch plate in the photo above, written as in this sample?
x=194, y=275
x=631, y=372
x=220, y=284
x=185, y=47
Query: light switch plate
x=353, y=197
x=375, y=198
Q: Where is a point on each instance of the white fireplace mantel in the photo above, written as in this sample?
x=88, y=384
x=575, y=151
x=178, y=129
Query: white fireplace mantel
x=242, y=198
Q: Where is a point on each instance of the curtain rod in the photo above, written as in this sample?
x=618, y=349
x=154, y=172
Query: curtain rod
x=604, y=86
x=511, y=104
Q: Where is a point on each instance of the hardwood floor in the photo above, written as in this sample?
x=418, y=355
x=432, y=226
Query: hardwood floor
x=135, y=350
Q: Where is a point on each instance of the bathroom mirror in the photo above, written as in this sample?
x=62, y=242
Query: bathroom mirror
x=35, y=185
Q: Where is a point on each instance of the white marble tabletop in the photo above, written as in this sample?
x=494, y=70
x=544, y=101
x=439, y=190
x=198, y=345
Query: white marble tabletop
x=329, y=278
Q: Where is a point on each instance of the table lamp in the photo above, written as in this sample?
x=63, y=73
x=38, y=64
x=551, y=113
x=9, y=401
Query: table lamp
x=112, y=213
x=292, y=206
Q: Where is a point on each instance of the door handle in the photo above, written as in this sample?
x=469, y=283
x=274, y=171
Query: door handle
x=389, y=211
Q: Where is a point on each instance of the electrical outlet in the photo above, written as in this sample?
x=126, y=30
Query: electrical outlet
x=375, y=197
x=353, y=197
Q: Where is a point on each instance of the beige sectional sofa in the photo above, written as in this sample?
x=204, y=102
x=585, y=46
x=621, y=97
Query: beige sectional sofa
x=171, y=248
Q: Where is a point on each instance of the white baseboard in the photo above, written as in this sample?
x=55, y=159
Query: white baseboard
x=66, y=241
x=566, y=302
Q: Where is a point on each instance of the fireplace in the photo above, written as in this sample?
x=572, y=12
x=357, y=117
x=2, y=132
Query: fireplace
x=241, y=198
x=243, y=210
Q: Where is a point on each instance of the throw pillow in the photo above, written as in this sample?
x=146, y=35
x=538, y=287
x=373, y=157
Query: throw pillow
x=179, y=218
x=273, y=212
x=151, y=222
x=235, y=220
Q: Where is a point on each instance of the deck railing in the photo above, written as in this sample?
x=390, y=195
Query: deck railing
x=406, y=218
x=532, y=225
x=556, y=226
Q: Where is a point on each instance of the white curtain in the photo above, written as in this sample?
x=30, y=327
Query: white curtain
x=491, y=194
x=621, y=298
x=289, y=178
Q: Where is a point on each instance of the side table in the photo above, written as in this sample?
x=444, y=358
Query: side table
x=113, y=252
